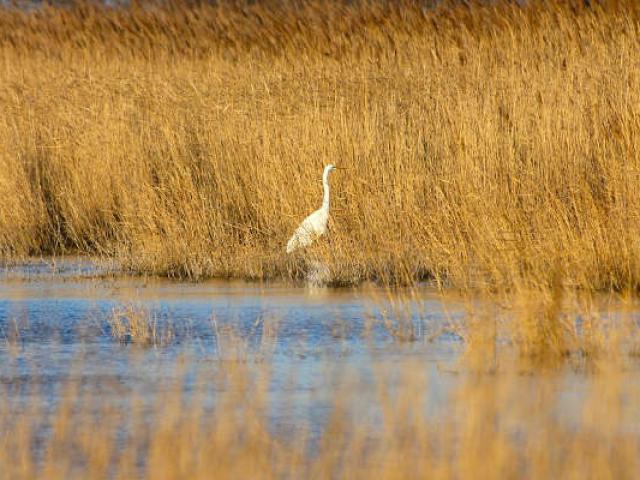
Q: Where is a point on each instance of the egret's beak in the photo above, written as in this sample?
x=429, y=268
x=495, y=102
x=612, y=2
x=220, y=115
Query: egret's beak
x=341, y=168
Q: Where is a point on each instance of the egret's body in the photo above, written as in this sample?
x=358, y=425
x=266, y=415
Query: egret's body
x=315, y=225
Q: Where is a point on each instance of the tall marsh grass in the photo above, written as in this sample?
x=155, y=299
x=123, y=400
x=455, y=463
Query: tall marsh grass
x=486, y=145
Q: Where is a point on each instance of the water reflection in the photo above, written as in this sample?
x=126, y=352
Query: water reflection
x=308, y=343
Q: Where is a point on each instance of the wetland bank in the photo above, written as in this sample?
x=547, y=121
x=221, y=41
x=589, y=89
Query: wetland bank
x=482, y=255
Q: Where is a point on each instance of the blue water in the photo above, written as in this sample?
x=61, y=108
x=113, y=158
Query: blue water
x=304, y=344
x=55, y=331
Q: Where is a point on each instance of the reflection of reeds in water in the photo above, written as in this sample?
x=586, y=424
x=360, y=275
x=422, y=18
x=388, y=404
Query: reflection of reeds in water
x=491, y=427
x=381, y=419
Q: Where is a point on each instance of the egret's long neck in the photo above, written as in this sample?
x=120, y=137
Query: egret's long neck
x=325, y=187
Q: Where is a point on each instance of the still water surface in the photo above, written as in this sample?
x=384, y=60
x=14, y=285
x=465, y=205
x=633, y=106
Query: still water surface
x=55, y=328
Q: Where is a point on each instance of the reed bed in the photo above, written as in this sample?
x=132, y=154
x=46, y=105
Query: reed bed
x=487, y=146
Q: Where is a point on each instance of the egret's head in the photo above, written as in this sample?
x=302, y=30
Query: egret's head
x=329, y=168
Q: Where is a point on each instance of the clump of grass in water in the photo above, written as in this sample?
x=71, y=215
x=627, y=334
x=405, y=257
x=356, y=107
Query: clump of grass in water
x=138, y=326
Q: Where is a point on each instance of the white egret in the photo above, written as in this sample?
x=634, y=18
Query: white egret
x=315, y=224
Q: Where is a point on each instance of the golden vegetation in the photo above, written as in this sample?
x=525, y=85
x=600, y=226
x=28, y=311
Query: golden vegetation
x=382, y=419
x=131, y=324
x=486, y=145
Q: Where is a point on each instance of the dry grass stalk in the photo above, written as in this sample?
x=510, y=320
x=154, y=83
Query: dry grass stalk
x=136, y=325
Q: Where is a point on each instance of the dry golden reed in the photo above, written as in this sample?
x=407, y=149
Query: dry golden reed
x=136, y=325
x=380, y=423
x=486, y=145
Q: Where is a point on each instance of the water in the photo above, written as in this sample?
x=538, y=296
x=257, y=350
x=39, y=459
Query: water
x=55, y=330
x=55, y=322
